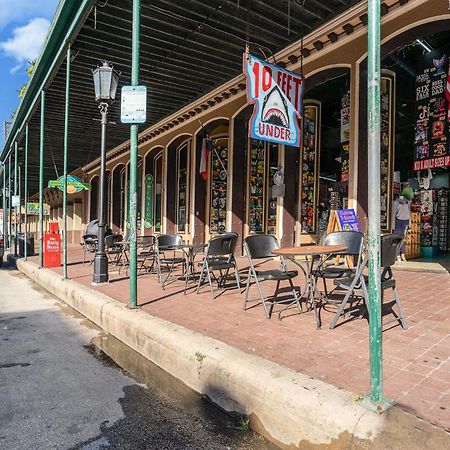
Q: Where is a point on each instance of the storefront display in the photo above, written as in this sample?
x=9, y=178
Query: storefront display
x=256, y=194
x=428, y=230
x=182, y=185
x=387, y=147
x=309, y=166
x=432, y=129
x=443, y=219
x=345, y=136
x=273, y=173
x=218, y=193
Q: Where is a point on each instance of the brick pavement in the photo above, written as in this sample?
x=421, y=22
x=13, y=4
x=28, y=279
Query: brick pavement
x=416, y=361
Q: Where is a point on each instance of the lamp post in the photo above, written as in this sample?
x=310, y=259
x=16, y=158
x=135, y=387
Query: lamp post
x=106, y=80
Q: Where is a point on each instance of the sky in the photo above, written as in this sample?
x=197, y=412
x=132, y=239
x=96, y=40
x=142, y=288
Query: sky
x=23, y=28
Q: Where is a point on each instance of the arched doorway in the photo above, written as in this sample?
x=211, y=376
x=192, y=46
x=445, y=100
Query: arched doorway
x=153, y=203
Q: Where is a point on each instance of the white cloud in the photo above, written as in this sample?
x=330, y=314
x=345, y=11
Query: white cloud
x=26, y=42
x=22, y=10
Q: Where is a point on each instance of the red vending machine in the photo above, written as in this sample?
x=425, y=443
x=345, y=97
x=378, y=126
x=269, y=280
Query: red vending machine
x=52, y=246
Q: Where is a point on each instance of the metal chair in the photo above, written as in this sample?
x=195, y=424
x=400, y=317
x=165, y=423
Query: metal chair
x=113, y=251
x=219, y=256
x=354, y=241
x=359, y=281
x=166, y=243
x=146, y=247
x=89, y=245
x=260, y=247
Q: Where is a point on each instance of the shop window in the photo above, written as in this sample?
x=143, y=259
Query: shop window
x=123, y=183
x=218, y=186
x=157, y=213
x=308, y=167
x=182, y=188
x=262, y=205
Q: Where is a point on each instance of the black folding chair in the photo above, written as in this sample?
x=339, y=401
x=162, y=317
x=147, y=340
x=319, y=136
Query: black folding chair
x=166, y=255
x=89, y=245
x=260, y=247
x=354, y=241
x=113, y=251
x=359, y=281
x=219, y=256
x=146, y=249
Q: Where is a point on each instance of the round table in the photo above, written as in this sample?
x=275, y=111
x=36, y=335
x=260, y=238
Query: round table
x=310, y=252
x=190, y=250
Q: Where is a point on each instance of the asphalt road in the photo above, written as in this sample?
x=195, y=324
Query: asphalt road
x=59, y=391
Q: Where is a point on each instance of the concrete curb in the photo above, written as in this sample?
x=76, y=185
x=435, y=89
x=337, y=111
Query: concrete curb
x=289, y=408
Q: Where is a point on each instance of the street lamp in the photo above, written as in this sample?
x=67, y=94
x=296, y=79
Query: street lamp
x=106, y=80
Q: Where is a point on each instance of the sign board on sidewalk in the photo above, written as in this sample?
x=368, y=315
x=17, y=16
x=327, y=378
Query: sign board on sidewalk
x=278, y=97
x=133, y=104
x=148, y=201
x=347, y=220
x=15, y=201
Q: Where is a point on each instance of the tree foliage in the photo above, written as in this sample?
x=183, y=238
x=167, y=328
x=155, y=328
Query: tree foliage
x=29, y=70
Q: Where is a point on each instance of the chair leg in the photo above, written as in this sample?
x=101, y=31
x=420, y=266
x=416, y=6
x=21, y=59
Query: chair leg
x=200, y=278
x=341, y=308
x=401, y=316
x=263, y=299
x=247, y=288
x=297, y=299
x=208, y=274
x=238, y=279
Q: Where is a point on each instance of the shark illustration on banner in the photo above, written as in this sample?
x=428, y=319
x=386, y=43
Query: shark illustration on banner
x=278, y=97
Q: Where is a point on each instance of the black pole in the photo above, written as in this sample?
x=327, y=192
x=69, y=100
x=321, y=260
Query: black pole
x=100, y=260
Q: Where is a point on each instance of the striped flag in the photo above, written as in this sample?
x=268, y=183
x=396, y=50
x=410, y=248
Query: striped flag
x=206, y=149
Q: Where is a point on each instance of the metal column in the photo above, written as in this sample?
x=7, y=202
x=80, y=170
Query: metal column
x=41, y=180
x=9, y=204
x=375, y=401
x=25, y=194
x=15, y=193
x=66, y=146
x=5, y=205
x=134, y=159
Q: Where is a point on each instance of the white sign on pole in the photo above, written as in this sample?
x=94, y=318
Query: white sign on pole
x=15, y=201
x=133, y=104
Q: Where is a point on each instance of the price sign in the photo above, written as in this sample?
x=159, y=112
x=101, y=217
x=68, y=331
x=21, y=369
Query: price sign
x=133, y=104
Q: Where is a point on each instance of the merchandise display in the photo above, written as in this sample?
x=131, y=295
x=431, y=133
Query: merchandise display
x=413, y=237
x=219, y=178
x=256, y=194
x=308, y=168
x=443, y=219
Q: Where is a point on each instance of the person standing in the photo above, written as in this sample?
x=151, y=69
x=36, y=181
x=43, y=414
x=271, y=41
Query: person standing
x=402, y=215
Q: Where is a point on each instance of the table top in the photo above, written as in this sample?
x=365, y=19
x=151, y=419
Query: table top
x=310, y=250
x=188, y=246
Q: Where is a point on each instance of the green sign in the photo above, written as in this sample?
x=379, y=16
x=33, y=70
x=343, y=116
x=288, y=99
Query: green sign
x=33, y=209
x=74, y=184
x=148, y=201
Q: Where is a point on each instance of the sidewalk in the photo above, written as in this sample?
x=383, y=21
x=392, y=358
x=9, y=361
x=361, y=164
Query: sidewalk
x=416, y=361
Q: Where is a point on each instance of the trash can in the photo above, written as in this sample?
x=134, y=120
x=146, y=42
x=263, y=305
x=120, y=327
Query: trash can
x=27, y=240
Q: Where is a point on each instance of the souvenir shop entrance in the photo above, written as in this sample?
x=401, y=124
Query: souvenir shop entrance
x=324, y=159
x=421, y=94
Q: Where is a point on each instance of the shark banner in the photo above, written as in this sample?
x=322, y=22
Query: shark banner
x=278, y=97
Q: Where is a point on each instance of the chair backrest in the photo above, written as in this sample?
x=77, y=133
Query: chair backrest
x=389, y=248
x=222, y=245
x=88, y=238
x=260, y=246
x=353, y=240
x=165, y=241
x=111, y=239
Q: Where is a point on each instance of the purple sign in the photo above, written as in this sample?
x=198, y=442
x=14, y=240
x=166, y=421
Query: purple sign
x=347, y=219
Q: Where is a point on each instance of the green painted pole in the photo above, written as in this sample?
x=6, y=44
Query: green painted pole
x=9, y=205
x=134, y=159
x=66, y=147
x=25, y=194
x=5, y=208
x=375, y=401
x=41, y=180
x=15, y=193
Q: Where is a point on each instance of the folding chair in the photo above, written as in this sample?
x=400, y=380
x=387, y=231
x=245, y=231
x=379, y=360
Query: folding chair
x=354, y=241
x=359, y=281
x=146, y=247
x=89, y=245
x=113, y=251
x=166, y=243
x=219, y=256
x=260, y=247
